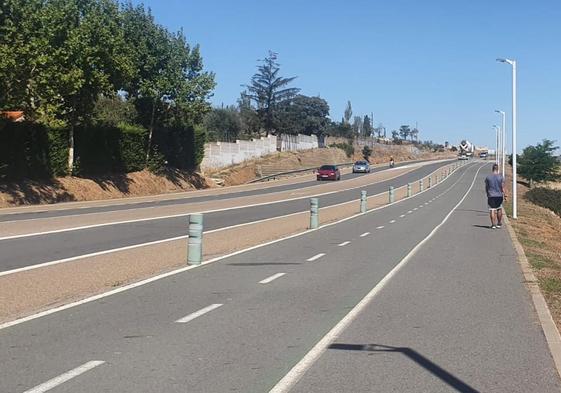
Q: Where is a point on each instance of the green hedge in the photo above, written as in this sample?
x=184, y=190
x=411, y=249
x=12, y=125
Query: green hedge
x=183, y=148
x=546, y=197
x=102, y=150
x=32, y=151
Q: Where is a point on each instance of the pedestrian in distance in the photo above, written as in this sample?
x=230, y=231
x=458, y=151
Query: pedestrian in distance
x=495, y=188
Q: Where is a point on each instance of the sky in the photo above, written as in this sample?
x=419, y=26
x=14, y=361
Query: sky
x=431, y=62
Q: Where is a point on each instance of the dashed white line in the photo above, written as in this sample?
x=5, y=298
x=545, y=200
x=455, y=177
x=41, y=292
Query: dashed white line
x=344, y=244
x=315, y=257
x=199, y=313
x=403, y=215
x=392, y=221
x=415, y=209
x=410, y=211
x=365, y=234
x=272, y=278
x=380, y=227
x=67, y=376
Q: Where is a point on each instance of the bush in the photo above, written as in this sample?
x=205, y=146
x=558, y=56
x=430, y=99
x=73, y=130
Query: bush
x=33, y=151
x=366, y=153
x=346, y=147
x=546, y=197
x=183, y=148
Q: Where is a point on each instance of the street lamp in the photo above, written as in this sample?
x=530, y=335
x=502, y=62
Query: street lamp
x=503, y=140
x=498, y=143
x=514, y=169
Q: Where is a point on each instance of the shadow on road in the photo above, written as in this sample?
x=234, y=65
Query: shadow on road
x=482, y=226
x=415, y=356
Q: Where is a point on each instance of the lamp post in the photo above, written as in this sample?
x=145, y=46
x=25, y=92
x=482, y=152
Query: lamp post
x=497, y=143
x=503, y=140
x=514, y=169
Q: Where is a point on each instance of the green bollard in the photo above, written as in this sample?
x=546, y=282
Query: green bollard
x=195, y=242
x=314, y=213
x=421, y=185
x=409, y=188
x=391, y=194
x=363, y=201
x=430, y=181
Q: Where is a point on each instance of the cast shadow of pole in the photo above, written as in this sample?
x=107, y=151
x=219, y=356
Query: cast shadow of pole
x=415, y=356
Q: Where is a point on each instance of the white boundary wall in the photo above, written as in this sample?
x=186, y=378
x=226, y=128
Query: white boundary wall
x=223, y=154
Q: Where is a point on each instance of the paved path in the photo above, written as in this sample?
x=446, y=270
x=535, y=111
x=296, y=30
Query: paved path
x=456, y=317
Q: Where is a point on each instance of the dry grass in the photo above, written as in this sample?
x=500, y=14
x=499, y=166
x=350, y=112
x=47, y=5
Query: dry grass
x=538, y=230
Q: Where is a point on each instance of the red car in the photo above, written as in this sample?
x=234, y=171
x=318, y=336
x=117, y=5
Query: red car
x=329, y=172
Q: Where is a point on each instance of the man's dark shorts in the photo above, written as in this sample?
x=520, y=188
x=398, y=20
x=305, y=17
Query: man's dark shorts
x=495, y=203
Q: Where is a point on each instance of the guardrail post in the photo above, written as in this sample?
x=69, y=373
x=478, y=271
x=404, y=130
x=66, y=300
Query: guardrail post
x=363, y=201
x=430, y=181
x=391, y=194
x=421, y=185
x=314, y=213
x=195, y=242
x=409, y=188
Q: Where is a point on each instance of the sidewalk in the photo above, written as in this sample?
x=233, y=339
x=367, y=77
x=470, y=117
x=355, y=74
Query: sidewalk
x=456, y=318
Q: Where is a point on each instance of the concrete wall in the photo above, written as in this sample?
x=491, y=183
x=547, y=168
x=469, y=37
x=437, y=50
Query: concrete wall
x=223, y=154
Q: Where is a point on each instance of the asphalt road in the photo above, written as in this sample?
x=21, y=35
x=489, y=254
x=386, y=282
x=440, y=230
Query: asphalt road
x=456, y=317
x=27, y=251
x=188, y=199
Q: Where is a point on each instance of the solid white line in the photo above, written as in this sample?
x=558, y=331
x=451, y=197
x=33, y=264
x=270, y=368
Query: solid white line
x=315, y=257
x=344, y=244
x=392, y=222
x=93, y=254
x=272, y=278
x=380, y=227
x=365, y=234
x=294, y=375
x=199, y=313
x=52, y=383
x=83, y=227
x=115, y=291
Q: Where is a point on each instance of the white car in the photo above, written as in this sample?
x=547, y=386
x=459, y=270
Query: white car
x=361, y=166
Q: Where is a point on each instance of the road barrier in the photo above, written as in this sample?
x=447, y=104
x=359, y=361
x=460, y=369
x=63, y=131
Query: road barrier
x=391, y=194
x=314, y=213
x=363, y=200
x=195, y=242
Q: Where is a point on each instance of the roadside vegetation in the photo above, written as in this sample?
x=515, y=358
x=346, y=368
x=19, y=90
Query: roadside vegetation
x=539, y=220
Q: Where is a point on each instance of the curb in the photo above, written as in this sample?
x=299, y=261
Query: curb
x=549, y=328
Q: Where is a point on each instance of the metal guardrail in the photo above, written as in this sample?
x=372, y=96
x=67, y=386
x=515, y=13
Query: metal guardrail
x=273, y=177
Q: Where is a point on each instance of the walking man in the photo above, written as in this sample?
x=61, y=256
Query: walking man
x=495, y=188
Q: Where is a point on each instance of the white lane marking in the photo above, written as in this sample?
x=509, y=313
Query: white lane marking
x=344, y=244
x=272, y=278
x=403, y=215
x=316, y=257
x=124, y=288
x=426, y=203
x=392, y=222
x=380, y=227
x=410, y=211
x=365, y=234
x=172, y=215
x=67, y=376
x=294, y=375
x=415, y=209
x=199, y=313
x=420, y=206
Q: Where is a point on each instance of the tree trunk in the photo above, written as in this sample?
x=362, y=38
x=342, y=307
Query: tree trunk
x=71, y=145
x=150, y=132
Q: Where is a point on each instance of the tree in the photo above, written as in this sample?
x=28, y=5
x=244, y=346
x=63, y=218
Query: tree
x=415, y=134
x=404, y=132
x=169, y=85
x=348, y=113
x=537, y=163
x=223, y=124
x=268, y=90
x=395, y=137
x=303, y=115
x=366, y=126
x=340, y=129
x=250, y=122
x=366, y=153
x=357, y=125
